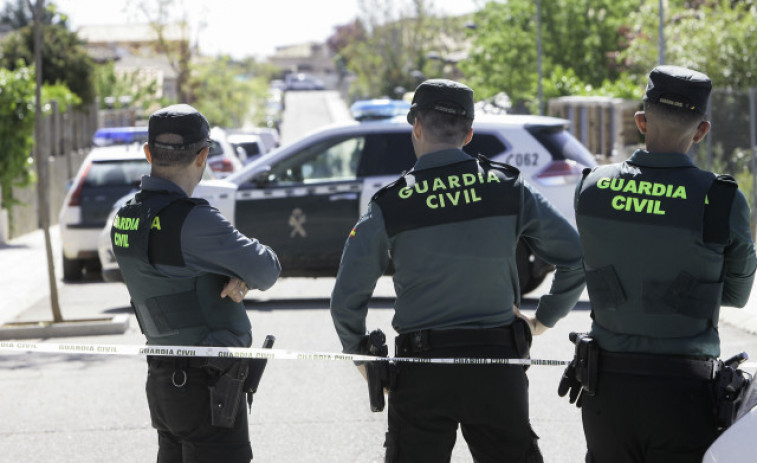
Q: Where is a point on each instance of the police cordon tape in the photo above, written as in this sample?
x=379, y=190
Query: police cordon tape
x=259, y=353
x=252, y=353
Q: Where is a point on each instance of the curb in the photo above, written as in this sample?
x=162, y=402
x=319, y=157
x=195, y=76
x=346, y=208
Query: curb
x=69, y=328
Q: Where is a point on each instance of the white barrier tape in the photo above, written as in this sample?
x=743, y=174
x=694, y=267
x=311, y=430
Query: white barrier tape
x=252, y=352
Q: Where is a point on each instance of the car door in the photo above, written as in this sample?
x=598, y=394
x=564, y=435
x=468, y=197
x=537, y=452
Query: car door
x=306, y=205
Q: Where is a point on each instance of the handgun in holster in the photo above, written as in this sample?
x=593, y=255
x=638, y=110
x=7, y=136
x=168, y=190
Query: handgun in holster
x=586, y=361
x=730, y=386
x=379, y=373
x=235, y=376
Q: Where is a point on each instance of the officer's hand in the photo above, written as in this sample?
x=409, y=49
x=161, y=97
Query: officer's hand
x=534, y=324
x=235, y=289
x=569, y=382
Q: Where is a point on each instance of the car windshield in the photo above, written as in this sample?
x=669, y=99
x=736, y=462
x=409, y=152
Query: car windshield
x=561, y=144
x=116, y=173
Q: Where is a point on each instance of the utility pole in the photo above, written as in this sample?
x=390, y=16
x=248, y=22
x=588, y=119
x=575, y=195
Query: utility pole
x=43, y=181
x=662, y=33
x=540, y=92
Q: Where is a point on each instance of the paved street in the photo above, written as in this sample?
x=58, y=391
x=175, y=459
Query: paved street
x=85, y=409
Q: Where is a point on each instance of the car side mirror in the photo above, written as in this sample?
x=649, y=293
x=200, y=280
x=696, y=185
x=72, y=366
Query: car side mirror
x=263, y=177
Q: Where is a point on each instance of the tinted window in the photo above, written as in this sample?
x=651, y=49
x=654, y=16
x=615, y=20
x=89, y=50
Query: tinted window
x=486, y=144
x=331, y=160
x=116, y=173
x=215, y=149
x=387, y=154
x=562, y=145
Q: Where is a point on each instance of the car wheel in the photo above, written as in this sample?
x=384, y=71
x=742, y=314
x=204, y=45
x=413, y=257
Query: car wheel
x=72, y=269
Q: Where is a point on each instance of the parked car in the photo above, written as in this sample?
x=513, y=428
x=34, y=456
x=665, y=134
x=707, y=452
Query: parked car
x=223, y=158
x=269, y=136
x=304, y=198
x=302, y=81
x=380, y=108
x=217, y=192
x=106, y=174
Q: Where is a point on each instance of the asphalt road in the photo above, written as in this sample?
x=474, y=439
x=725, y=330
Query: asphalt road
x=85, y=409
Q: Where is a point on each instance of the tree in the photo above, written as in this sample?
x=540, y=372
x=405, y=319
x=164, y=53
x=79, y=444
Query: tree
x=583, y=36
x=16, y=131
x=111, y=84
x=64, y=58
x=223, y=95
x=392, y=39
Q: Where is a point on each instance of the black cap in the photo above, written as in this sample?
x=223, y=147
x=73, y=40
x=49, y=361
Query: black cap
x=678, y=87
x=182, y=120
x=442, y=95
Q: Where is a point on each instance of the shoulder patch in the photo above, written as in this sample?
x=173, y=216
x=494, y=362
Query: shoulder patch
x=389, y=186
x=501, y=165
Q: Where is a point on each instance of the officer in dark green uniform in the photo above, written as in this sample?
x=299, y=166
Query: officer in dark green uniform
x=665, y=245
x=450, y=228
x=187, y=270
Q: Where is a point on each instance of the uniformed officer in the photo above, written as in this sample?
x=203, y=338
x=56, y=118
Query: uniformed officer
x=450, y=228
x=187, y=270
x=666, y=244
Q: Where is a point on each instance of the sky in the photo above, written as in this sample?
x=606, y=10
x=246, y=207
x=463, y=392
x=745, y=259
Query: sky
x=242, y=27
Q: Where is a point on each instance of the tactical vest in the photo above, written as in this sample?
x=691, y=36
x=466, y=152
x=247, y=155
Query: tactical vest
x=170, y=311
x=458, y=192
x=639, y=227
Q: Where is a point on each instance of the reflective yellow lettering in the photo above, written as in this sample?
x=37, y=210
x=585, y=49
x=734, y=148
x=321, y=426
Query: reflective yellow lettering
x=603, y=182
x=431, y=203
x=155, y=223
x=618, y=203
x=439, y=184
x=493, y=177
x=454, y=198
x=680, y=192
x=616, y=184
x=645, y=188
x=405, y=192
x=658, y=189
x=424, y=189
x=474, y=197
x=454, y=181
x=657, y=209
x=630, y=186
x=469, y=179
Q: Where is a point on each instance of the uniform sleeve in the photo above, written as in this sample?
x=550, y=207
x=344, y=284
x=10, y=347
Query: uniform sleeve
x=364, y=259
x=740, y=260
x=211, y=244
x=552, y=238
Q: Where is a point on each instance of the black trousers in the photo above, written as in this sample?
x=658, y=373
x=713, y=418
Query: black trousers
x=643, y=419
x=488, y=402
x=181, y=416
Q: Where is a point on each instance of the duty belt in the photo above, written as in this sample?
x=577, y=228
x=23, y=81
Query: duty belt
x=426, y=340
x=658, y=365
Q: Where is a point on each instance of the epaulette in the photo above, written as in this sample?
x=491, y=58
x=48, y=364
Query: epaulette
x=389, y=186
x=501, y=165
x=727, y=179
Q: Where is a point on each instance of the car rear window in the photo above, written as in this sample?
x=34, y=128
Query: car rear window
x=561, y=144
x=486, y=144
x=116, y=173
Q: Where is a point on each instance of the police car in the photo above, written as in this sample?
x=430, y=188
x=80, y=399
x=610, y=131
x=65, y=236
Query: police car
x=304, y=198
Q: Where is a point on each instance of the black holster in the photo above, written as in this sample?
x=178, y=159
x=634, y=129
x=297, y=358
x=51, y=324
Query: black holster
x=586, y=362
x=226, y=393
x=728, y=390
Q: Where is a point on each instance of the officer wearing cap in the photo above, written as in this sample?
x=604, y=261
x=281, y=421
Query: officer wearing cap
x=450, y=227
x=665, y=245
x=187, y=271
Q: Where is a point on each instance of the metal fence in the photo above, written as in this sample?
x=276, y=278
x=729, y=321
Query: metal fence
x=730, y=147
